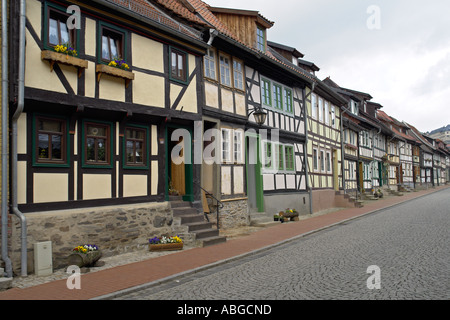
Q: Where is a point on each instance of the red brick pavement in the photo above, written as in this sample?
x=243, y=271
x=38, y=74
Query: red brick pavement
x=122, y=277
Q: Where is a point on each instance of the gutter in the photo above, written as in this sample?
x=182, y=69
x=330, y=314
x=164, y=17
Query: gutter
x=4, y=115
x=15, y=118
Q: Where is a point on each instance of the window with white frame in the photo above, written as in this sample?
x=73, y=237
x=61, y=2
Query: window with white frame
x=225, y=70
x=320, y=109
x=210, y=64
x=232, y=146
x=238, y=74
x=327, y=114
x=237, y=146
x=226, y=145
x=314, y=106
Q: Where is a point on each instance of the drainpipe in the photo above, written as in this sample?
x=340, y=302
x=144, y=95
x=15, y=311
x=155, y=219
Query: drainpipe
x=308, y=187
x=345, y=110
x=4, y=199
x=20, y=106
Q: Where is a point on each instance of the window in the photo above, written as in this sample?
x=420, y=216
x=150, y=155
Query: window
x=267, y=155
x=289, y=157
x=322, y=161
x=237, y=147
x=225, y=69
x=320, y=109
x=226, y=145
x=265, y=92
x=277, y=99
x=328, y=162
x=97, y=143
x=210, y=64
x=135, y=146
x=51, y=141
x=354, y=107
x=238, y=74
x=314, y=106
x=58, y=32
x=333, y=116
x=260, y=39
x=178, y=65
x=279, y=151
x=315, y=160
x=327, y=113
x=288, y=100
x=112, y=44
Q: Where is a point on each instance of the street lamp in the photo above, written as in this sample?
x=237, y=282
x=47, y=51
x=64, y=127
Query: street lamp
x=259, y=114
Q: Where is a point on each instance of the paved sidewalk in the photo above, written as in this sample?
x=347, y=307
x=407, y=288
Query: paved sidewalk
x=104, y=283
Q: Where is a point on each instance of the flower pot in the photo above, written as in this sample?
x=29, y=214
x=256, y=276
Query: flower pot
x=84, y=259
x=166, y=246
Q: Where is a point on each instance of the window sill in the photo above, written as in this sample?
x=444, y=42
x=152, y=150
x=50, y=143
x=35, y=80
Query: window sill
x=54, y=57
x=113, y=71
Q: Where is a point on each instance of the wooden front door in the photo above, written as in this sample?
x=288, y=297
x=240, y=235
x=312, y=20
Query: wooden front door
x=178, y=173
x=179, y=168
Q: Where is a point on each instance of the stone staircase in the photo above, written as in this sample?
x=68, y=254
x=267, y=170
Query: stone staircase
x=201, y=232
x=352, y=198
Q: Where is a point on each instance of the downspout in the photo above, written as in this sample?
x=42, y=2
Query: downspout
x=15, y=118
x=308, y=187
x=345, y=110
x=4, y=200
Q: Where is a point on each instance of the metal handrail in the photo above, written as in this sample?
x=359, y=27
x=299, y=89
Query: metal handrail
x=218, y=202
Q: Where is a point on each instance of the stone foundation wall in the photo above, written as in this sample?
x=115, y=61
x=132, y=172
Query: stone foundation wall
x=233, y=214
x=114, y=230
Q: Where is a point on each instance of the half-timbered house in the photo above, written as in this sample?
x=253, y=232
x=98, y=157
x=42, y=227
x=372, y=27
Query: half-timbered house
x=275, y=164
x=105, y=85
x=324, y=146
x=425, y=157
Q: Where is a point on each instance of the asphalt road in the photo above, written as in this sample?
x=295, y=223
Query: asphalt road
x=408, y=246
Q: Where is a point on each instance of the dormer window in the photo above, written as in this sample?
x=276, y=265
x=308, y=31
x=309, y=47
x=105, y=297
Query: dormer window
x=260, y=39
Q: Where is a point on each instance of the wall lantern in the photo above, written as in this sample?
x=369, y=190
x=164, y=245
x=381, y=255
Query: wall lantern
x=259, y=114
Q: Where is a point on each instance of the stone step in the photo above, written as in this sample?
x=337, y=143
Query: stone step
x=213, y=240
x=179, y=204
x=191, y=218
x=205, y=233
x=194, y=226
x=182, y=211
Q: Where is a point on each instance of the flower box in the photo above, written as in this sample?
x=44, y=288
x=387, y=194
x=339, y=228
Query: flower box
x=166, y=246
x=113, y=71
x=67, y=59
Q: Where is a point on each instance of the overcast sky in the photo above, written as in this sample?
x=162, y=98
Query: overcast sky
x=402, y=60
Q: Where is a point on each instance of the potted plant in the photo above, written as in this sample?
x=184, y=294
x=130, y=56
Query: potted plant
x=276, y=217
x=85, y=255
x=165, y=243
x=291, y=214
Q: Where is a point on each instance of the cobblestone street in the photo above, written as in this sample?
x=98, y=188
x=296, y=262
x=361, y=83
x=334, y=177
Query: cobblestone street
x=409, y=243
